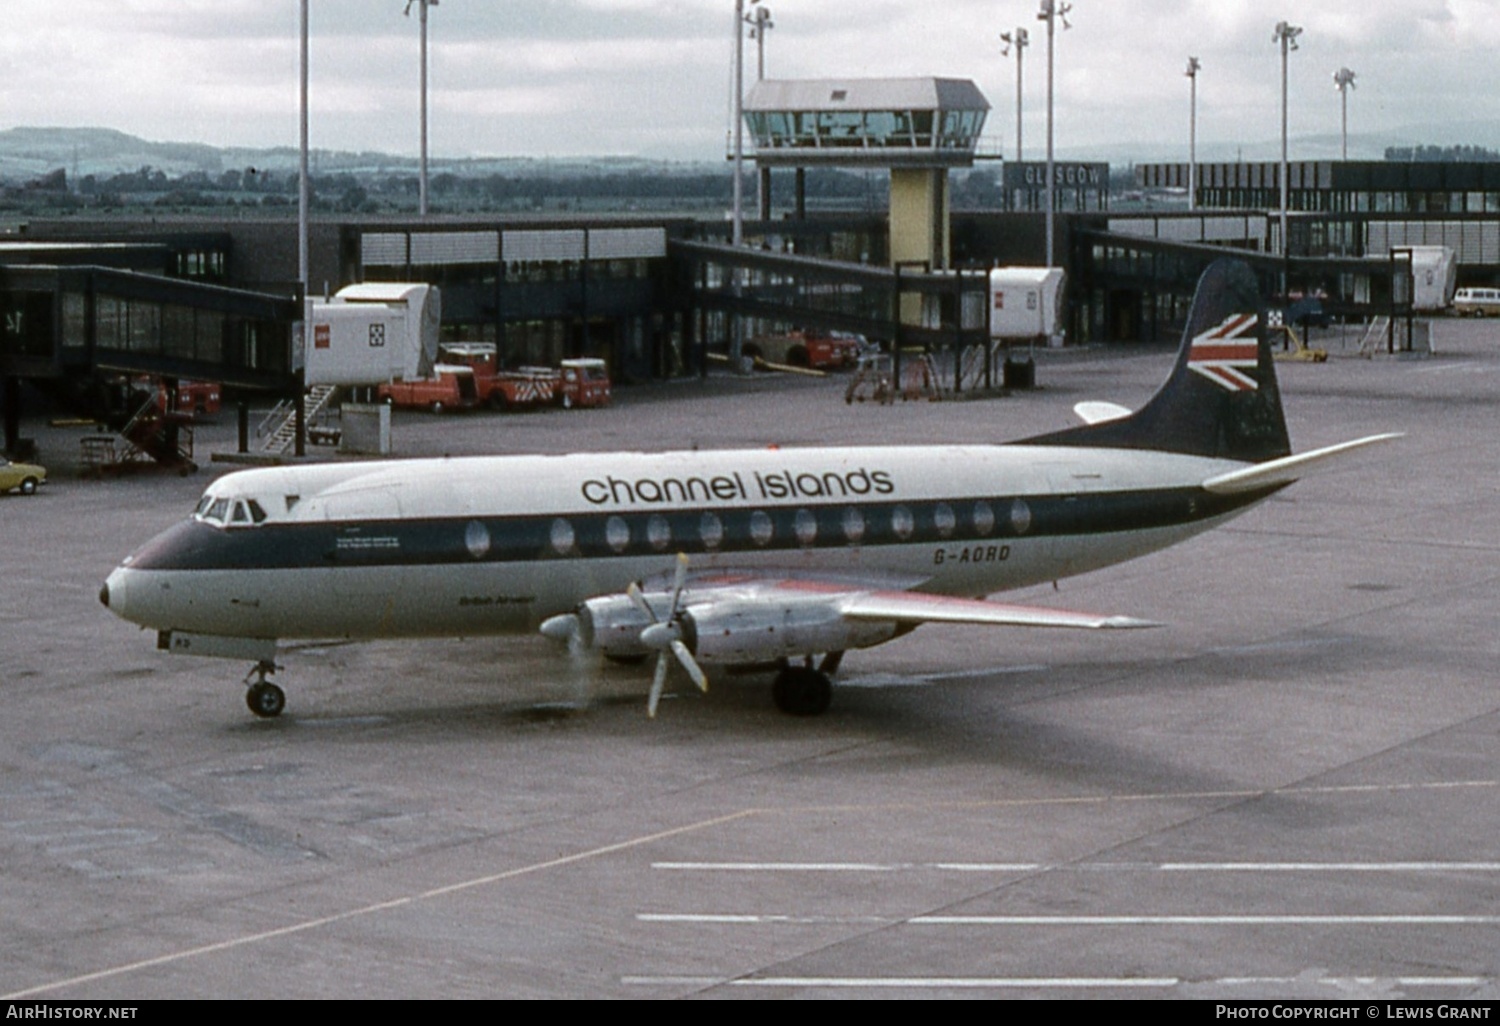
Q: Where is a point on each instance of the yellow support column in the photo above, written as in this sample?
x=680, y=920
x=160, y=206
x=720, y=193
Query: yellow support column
x=919, y=226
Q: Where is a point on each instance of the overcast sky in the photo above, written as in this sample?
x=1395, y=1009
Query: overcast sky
x=651, y=78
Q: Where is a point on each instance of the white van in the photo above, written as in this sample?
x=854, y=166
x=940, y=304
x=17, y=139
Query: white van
x=1477, y=302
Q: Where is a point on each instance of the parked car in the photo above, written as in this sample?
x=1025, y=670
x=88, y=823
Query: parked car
x=25, y=477
x=1308, y=312
x=806, y=349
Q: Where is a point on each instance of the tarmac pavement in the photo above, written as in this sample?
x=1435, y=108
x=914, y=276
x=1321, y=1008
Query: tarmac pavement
x=1289, y=791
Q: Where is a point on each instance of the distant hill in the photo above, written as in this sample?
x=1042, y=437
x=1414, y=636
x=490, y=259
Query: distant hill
x=27, y=154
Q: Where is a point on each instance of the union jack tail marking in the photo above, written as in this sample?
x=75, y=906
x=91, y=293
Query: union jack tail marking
x=1222, y=353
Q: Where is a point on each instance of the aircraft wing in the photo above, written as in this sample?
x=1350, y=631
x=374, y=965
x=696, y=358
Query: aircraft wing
x=914, y=608
x=857, y=601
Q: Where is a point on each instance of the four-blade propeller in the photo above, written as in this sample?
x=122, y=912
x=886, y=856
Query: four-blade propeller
x=665, y=636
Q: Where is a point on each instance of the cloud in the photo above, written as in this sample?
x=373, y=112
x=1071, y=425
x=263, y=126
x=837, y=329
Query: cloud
x=581, y=76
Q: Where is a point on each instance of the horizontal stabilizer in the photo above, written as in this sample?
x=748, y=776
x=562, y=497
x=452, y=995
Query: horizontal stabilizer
x=915, y=607
x=1287, y=469
x=1097, y=411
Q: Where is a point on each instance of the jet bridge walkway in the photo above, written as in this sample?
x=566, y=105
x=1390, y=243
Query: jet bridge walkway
x=64, y=328
x=907, y=308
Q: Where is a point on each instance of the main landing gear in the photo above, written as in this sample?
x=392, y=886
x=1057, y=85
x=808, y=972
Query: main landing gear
x=805, y=690
x=265, y=699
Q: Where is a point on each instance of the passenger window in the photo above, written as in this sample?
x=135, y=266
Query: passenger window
x=984, y=518
x=658, y=532
x=1020, y=516
x=902, y=522
x=761, y=527
x=711, y=530
x=562, y=537
x=854, y=525
x=806, y=526
x=617, y=533
x=944, y=520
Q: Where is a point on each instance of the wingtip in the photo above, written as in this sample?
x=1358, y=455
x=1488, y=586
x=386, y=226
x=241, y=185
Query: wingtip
x=1128, y=623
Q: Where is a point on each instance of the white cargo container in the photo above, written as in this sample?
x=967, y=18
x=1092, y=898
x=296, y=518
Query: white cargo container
x=1434, y=274
x=1026, y=303
x=373, y=333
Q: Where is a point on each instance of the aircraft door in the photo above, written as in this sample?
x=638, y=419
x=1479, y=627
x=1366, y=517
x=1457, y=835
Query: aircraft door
x=367, y=572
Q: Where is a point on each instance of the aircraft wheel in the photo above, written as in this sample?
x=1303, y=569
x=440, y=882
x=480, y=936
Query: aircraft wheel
x=265, y=700
x=799, y=691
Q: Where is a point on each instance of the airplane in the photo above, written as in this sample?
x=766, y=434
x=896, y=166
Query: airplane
x=783, y=558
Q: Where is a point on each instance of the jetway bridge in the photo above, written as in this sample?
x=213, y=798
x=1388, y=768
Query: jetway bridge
x=816, y=294
x=65, y=329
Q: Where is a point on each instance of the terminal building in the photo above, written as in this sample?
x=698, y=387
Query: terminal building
x=655, y=296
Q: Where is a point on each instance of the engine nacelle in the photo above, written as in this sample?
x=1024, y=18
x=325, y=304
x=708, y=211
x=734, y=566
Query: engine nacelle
x=755, y=632
x=612, y=624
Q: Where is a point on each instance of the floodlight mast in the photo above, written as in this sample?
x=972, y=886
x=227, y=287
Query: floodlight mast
x=1020, y=39
x=738, y=225
x=1286, y=35
x=1050, y=12
x=760, y=23
x=737, y=229
x=1343, y=81
x=302, y=170
x=422, y=175
x=303, y=189
x=1193, y=67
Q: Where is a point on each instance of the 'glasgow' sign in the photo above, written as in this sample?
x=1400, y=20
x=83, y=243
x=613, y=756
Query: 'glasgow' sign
x=1066, y=175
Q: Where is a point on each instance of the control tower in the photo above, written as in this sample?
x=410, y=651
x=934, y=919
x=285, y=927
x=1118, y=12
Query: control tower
x=916, y=127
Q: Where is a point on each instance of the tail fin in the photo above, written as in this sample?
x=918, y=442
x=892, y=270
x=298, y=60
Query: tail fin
x=1221, y=399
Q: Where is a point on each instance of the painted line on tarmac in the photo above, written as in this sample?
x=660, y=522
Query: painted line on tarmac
x=366, y=910
x=913, y=982
x=1084, y=867
x=1174, y=920
x=1348, y=986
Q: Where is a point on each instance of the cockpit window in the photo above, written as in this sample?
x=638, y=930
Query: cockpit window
x=217, y=511
x=203, y=505
x=241, y=514
x=257, y=514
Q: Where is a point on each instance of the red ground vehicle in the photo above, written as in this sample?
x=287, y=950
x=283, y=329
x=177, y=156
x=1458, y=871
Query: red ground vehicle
x=805, y=349
x=194, y=398
x=468, y=377
x=585, y=383
x=529, y=386
x=452, y=387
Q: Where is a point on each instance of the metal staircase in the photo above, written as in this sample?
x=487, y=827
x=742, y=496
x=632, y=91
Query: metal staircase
x=280, y=425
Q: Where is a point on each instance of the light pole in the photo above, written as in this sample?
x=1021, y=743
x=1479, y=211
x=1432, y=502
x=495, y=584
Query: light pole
x=738, y=223
x=302, y=183
x=1193, y=67
x=1343, y=81
x=1050, y=11
x=304, y=186
x=760, y=23
x=1286, y=35
x=1020, y=39
x=422, y=174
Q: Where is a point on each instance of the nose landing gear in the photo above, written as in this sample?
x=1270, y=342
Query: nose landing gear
x=265, y=699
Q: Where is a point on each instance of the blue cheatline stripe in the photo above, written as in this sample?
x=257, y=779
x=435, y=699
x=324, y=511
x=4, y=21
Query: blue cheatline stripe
x=462, y=540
